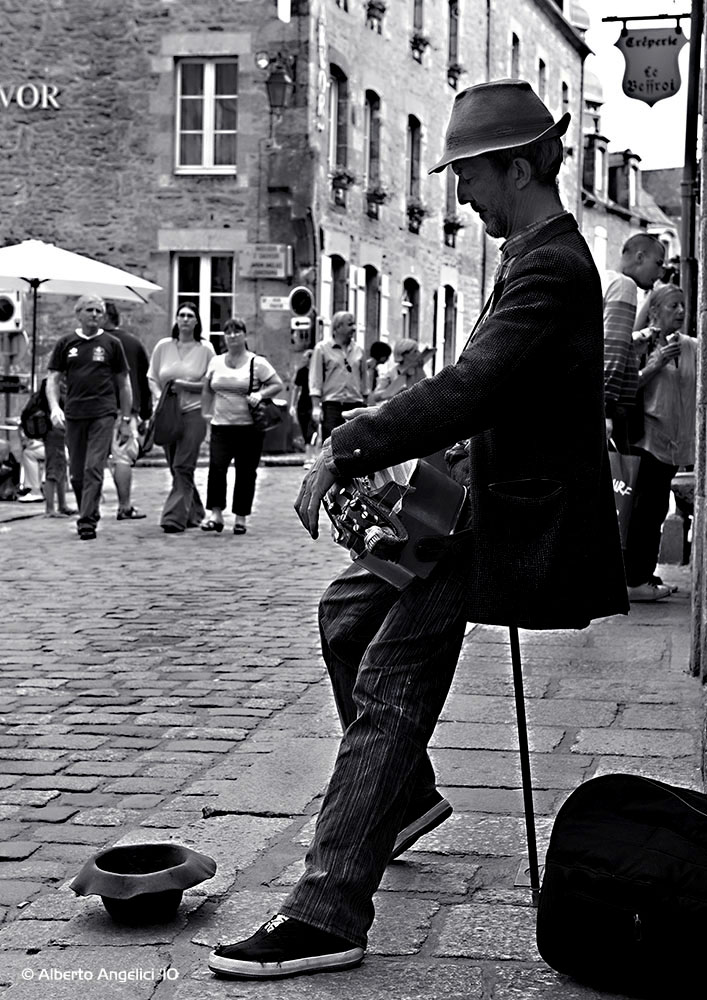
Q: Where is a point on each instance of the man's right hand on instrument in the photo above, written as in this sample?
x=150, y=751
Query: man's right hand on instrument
x=57, y=417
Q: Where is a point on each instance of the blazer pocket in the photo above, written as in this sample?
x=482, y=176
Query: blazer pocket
x=528, y=493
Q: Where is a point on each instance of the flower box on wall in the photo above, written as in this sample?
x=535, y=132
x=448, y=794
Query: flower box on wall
x=418, y=44
x=375, y=9
x=375, y=197
x=342, y=178
x=452, y=225
x=454, y=71
x=416, y=212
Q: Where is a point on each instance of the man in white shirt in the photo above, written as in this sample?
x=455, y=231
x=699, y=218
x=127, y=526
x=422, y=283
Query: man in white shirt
x=337, y=375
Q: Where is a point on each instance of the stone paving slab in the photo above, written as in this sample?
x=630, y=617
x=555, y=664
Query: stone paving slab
x=488, y=932
x=148, y=702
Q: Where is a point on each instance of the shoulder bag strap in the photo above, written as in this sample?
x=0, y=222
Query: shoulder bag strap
x=250, y=380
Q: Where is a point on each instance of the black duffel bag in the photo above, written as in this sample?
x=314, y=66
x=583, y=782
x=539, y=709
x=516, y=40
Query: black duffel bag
x=623, y=905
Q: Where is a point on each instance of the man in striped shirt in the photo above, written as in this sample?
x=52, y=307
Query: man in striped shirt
x=642, y=259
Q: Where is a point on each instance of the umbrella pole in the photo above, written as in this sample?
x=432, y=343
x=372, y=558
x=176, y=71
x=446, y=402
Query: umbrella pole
x=34, y=284
x=526, y=777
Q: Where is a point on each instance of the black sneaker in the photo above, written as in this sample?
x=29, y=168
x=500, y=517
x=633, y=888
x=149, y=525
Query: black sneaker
x=87, y=534
x=420, y=818
x=131, y=514
x=284, y=947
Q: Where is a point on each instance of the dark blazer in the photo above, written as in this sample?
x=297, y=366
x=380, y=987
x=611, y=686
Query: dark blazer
x=543, y=549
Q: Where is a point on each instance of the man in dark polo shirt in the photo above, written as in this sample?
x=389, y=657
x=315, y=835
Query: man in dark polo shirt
x=93, y=362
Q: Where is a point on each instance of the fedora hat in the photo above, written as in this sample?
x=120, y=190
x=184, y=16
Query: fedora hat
x=497, y=115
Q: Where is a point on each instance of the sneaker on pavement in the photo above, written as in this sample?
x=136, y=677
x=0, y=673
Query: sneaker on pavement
x=30, y=498
x=284, y=947
x=131, y=514
x=648, y=592
x=86, y=533
x=672, y=587
x=420, y=818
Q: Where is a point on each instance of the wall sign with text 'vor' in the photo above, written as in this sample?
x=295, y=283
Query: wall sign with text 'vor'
x=651, y=55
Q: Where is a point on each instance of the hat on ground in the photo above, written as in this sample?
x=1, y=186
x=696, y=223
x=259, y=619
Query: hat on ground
x=497, y=115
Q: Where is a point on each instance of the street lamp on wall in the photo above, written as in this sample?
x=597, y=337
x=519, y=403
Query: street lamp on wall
x=279, y=85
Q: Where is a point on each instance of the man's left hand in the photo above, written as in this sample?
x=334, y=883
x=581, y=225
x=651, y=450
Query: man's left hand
x=315, y=485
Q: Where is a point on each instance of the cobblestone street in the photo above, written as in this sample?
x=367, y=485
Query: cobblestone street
x=169, y=687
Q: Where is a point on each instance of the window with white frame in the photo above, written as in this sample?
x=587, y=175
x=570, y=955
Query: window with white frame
x=208, y=281
x=207, y=115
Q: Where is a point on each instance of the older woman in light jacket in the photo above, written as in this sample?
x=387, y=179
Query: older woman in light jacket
x=668, y=381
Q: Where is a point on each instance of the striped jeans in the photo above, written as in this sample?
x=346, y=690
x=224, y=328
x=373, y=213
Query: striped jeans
x=391, y=656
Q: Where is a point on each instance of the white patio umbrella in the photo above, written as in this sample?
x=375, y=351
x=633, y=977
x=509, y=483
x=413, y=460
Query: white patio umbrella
x=48, y=270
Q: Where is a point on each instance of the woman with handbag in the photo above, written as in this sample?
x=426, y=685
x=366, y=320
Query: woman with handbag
x=236, y=394
x=179, y=363
x=668, y=382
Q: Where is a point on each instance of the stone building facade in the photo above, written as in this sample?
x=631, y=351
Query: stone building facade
x=152, y=145
x=616, y=201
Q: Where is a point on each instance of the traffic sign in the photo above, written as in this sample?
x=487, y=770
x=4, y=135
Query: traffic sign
x=274, y=303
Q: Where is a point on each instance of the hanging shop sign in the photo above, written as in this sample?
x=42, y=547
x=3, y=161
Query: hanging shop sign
x=652, y=72
x=29, y=96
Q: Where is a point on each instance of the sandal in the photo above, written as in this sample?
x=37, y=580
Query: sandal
x=239, y=529
x=212, y=525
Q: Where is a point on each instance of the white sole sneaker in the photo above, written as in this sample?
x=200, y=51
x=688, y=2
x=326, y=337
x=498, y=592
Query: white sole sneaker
x=418, y=828
x=240, y=969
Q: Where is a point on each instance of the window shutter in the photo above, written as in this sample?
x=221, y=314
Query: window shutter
x=385, y=306
x=461, y=339
x=439, y=330
x=325, y=294
x=357, y=301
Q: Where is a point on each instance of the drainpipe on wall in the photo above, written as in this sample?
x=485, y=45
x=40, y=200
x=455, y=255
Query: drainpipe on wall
x=482, y=298
x=580, y=150
x=695, y=314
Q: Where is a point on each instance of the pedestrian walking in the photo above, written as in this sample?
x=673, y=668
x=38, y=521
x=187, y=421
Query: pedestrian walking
x=92, y=363
x=641, y=264
x=337, y=375
x=183, y=358
x=35, y=419
x=378, y=355
x=234, y=382
x=539, y=546
x=303, y=409
x=31, y=462
x=668, y=381
x=123, y=456
x=408, y=369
